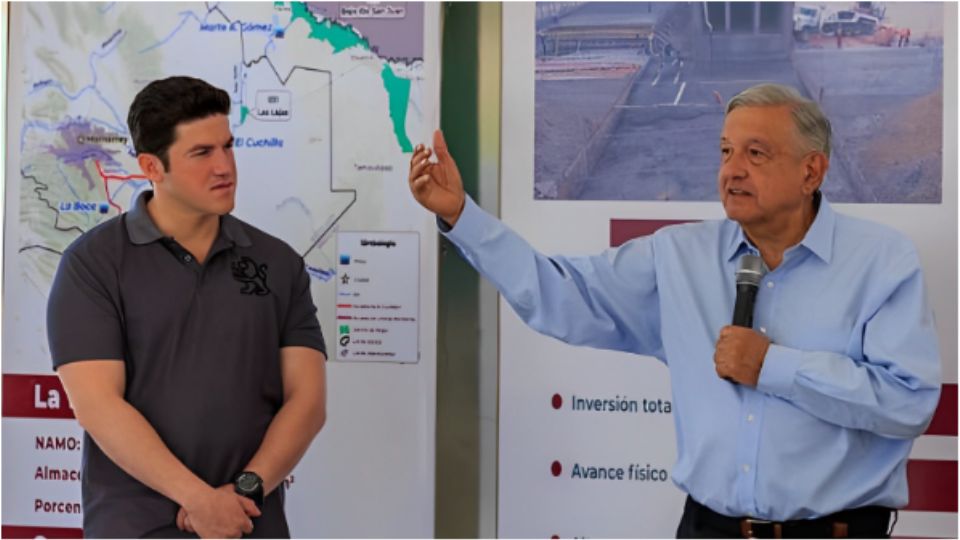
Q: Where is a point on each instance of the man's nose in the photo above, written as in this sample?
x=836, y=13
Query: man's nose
x=223, y=162
x=733, y=167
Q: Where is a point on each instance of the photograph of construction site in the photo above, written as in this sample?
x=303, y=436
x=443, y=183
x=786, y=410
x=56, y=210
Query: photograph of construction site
x=630, y=96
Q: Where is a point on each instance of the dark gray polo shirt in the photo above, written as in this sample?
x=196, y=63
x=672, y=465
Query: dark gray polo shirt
x=201, y=348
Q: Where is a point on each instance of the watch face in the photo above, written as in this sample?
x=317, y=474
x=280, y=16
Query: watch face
x=248, y=482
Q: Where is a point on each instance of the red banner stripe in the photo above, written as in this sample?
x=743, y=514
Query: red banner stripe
x=624, y=230
x=13, y=531
x=945, y=418
x=933, y=485
x=34, y=396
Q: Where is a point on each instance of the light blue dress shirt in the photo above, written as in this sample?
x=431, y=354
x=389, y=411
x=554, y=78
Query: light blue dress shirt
x=851, y=378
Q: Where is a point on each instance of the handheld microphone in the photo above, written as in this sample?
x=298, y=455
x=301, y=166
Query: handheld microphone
x=749, y=275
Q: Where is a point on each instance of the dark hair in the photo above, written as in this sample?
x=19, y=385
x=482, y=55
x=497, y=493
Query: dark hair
x=163, y=104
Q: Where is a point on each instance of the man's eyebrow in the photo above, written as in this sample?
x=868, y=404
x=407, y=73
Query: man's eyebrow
x=197, y=147
x=752, y=140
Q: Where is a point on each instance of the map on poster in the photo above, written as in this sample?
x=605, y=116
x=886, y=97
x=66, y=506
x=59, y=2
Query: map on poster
x=328, y=100
x=325, y=98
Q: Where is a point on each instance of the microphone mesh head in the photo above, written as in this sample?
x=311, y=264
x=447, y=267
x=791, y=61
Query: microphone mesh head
x=751, y=270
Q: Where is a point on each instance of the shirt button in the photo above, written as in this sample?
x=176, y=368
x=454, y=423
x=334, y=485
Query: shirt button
x=769, y=284
x=746, y=468
x=763, y=329
x=187, y=258
x=749, y=418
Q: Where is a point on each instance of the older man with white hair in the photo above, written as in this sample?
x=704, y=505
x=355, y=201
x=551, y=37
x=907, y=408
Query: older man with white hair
x=799, y=426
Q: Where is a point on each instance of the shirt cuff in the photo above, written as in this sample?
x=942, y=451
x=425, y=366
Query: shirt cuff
x=779, y=371
x=471, y=224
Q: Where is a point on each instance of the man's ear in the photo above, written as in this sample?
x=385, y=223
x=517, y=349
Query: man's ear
x=815, y=166
x=151, y=166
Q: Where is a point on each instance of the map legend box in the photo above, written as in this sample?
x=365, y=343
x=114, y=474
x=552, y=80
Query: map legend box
x=378, y=291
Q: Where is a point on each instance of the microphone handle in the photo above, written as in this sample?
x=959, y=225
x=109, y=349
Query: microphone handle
x=743, y=309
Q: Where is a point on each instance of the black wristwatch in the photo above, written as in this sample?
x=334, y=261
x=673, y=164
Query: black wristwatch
x=250, y=485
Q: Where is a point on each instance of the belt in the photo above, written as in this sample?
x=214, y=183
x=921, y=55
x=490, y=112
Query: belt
x=867, y=521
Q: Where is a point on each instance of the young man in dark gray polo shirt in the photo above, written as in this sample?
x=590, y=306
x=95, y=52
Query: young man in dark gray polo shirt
x=187, y=341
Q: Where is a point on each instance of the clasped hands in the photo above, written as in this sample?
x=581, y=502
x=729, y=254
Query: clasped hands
x=219, y=513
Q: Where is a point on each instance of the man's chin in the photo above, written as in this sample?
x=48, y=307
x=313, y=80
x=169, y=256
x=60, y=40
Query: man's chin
x=740, y=215
x=731, y=211
x=738, y=208
x=222, y=207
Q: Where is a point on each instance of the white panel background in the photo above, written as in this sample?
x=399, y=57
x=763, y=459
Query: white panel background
x=531, y=502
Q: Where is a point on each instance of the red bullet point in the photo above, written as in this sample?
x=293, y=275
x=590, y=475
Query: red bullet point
x=557, y=401
x=556, y=468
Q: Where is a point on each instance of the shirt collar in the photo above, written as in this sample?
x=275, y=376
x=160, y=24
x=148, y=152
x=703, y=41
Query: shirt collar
x=738, y=242
x=142, y=230
x=819, y=237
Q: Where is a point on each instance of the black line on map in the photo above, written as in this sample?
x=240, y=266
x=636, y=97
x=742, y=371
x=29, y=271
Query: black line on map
x=44, y=187
x=283, y=81
x=38, y=246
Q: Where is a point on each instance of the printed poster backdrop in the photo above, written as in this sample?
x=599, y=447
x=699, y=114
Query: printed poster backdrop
x=328, y=101
x=566, y=412
x=630, y=96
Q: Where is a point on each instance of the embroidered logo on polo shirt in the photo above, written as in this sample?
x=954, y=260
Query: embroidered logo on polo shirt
x=252, y=275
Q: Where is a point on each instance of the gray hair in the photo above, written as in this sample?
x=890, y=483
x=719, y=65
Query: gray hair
x=812, y=125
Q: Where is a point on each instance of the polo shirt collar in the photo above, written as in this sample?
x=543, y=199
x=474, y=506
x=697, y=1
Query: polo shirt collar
x=140, y=226
x=142, y=230
x=819, y=237
x=233, y=230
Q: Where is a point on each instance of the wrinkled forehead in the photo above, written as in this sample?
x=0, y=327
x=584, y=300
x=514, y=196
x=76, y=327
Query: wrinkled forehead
x=772, y=124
